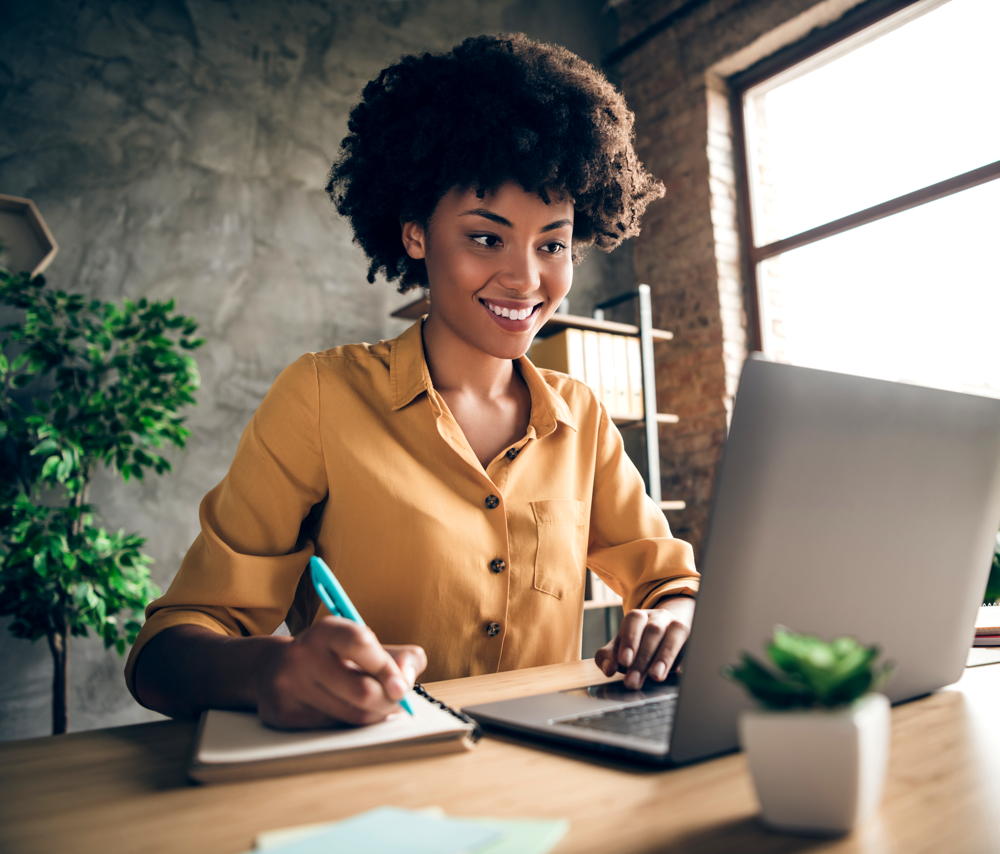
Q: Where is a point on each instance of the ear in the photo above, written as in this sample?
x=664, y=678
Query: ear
x=414, y=240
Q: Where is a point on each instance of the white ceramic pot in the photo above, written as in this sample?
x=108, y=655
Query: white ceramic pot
x=818, y=770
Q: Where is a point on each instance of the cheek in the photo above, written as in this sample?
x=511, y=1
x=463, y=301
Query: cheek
x=561, y=279
x=463, y=270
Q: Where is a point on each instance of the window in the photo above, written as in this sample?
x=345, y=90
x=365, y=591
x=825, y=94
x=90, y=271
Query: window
x=873, y=197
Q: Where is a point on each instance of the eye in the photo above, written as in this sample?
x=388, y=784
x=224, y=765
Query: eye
x=555, y=247
x=483, y=240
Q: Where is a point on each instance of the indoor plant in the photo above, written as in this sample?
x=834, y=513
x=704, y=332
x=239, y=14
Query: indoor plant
x=83, y=383
x=992, y=595
x=818, y=746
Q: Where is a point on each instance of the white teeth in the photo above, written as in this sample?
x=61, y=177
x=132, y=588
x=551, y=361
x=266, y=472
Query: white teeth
x=513, y=314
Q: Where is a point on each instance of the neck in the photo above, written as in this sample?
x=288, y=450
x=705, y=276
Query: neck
x=457, y=368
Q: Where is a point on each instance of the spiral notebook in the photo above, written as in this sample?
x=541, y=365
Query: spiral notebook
x=233, y=746
x=988, y=626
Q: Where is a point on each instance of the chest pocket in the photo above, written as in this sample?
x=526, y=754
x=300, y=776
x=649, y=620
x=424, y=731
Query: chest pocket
x=560, y=560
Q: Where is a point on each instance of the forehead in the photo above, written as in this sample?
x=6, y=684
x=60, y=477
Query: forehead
x=509, y=200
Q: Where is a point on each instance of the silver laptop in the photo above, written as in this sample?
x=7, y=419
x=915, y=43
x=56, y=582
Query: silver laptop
x=843, y=505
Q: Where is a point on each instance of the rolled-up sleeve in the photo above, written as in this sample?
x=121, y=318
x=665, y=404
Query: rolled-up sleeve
x=240, y=575
x=631, y=547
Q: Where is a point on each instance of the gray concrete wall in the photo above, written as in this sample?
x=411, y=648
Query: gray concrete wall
x=179, y=149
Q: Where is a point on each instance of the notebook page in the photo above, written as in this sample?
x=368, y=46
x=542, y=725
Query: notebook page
x=988, y=621
x=241, y=737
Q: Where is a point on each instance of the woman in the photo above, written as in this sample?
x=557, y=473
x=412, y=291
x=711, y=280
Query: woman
x=457, y=491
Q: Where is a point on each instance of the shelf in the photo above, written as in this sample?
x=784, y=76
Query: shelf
x=661, y=418
x=673, y=505
x=590, y=605
x=559, y=322
x=412, y=310
x=556, y=323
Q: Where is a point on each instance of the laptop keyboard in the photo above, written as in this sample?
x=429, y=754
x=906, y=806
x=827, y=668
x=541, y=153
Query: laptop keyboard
x=650, y=720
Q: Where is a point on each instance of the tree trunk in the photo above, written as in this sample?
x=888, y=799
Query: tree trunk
x=59, y=640
x=59, y=646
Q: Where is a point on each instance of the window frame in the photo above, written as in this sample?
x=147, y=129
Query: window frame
x=866, y=15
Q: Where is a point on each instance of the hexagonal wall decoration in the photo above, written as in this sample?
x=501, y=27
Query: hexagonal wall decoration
x=26, y=244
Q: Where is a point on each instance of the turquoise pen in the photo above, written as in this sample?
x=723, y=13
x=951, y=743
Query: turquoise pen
x=335, y=598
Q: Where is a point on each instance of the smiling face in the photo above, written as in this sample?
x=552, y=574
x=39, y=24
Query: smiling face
x=497, y=267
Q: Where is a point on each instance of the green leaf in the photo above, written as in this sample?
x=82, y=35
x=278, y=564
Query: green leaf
x=40, y=563
x=812, y=672
x=50, y=466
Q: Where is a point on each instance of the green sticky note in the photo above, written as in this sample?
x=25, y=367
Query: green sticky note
x=523, y=836
x=388, y=830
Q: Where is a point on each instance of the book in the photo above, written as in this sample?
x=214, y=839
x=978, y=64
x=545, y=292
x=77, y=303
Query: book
x=560, y=352
x=987, y=626
x=636, y=407
x=619, y=348
x=594, y=371
x=231, y=745
x=602, y=360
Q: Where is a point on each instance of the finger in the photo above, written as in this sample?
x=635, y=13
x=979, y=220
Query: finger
x=311, y=693
x=348, y=693
x=605, y=657
x=670, y=651
x=316, y=708
x=411, y=660
x=350, y=641
x=649, y=643
x=629, y=635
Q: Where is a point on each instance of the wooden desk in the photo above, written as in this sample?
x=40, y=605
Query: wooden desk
x=124, y=789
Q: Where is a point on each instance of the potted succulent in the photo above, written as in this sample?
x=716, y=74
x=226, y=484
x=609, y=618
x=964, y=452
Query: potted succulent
x=818, y=745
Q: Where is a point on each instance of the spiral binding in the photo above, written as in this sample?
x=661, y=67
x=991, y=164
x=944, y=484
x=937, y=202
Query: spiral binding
x=477, y=730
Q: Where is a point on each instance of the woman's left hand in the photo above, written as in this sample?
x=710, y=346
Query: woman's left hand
x=648, y=641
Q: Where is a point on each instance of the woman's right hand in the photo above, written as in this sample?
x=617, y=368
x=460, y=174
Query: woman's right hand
x=335, y=671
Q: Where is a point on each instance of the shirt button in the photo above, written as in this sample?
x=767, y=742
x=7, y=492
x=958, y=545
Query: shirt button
x=492, y=629
x=492, y=501
x=498, y=564
x=513, y=452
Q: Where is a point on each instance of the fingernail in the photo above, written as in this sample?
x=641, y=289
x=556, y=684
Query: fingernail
x=396, y=688
x=625, y=656
x=659, y=671
x=410, y=673
x=632, y=679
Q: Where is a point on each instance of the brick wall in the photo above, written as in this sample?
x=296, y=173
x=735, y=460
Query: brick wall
x=689, y=253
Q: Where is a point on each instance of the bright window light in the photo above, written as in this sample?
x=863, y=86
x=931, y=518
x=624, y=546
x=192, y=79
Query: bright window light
x=905, y=104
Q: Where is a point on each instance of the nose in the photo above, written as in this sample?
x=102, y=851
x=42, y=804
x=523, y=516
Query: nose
x=520, y=273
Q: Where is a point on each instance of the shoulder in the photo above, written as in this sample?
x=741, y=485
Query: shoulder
x=342, y=362
x=336, y=374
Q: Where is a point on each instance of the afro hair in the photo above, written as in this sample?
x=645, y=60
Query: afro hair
x=493, y=109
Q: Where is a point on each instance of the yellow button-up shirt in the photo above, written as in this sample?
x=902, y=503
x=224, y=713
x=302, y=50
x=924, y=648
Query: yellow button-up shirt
x=354, y=456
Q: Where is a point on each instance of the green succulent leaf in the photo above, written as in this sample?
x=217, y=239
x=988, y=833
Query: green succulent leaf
x=810, y=672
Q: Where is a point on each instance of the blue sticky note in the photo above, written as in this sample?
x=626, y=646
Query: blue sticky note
x=388, y=830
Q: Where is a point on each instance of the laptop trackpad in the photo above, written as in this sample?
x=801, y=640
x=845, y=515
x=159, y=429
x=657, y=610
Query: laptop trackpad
x=616, y=692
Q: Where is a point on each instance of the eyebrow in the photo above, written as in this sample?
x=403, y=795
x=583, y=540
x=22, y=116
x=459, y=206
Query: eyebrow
x=559, y=223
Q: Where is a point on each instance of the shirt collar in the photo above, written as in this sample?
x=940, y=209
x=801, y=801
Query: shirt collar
x=409, y=376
